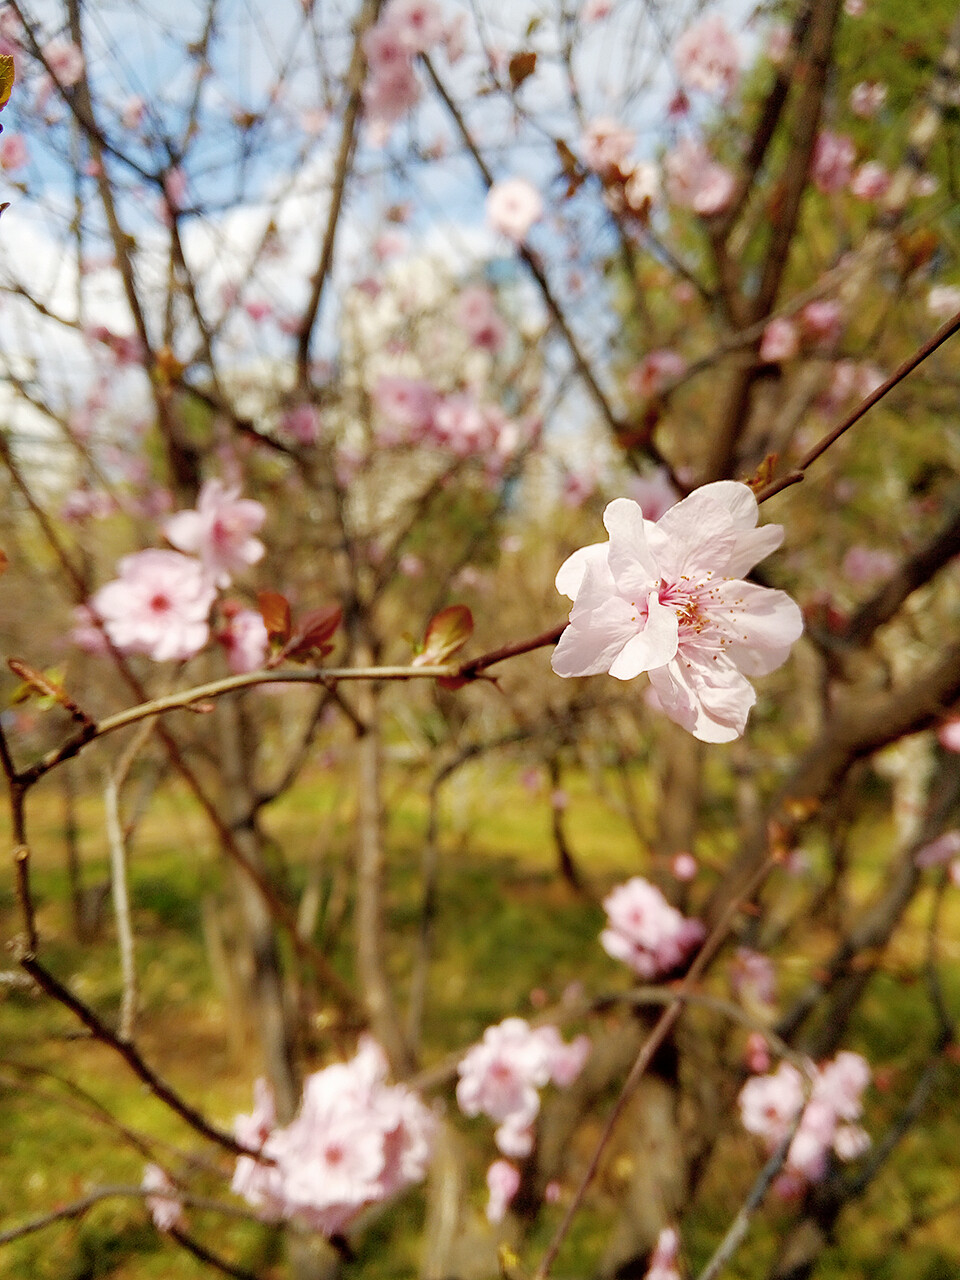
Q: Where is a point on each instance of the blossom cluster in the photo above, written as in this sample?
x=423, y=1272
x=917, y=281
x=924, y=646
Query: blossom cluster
x=669, y=599
x=500, y=1077
x=356, y=1141
x=412, y=412
x=160, y=603
x=404, y=29
x=770, y=1105
x=645, y=931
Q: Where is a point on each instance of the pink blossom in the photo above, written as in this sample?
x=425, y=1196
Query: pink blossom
x=870, y=182
x=781, y=341
x=757, y=1053
x=500, y=1078
x=654, y=372
x=513, y=206
x=779, y=41
x=356, y=1141
x=664, y=1259
x=695, y=181
x=220, y=531
x=157, y=606
x=85, y=633
x=948, y=735
x=822, y=320
x=245, y=639
x=854, y=8
x=417, y=23
x=503, y=1182
x=645, y=932
x=165, y=1209
x=406, y=407
x=302, y=423
x=683, y=867
x=455, y=37
x=943, y=301
x=707, y=57
x=477, y=315
x=175, y=188
x=390, y=92
x=832, y=166
x=943, y=849
x=595, y=10
x=642, y=188
x=867, y=97
x=606, y=144
x=655, y=493
x=410, y=566
x=868, y=564
x=770, y=1105
x=87, y=504
x=668, y=598
x=64, y=61
x=752, y=978
x=133, y=112
x=13, y=152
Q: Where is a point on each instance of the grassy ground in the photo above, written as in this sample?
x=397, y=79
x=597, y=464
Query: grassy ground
x=508, y=931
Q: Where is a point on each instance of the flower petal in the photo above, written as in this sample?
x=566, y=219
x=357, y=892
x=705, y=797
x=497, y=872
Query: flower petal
x=655, y=645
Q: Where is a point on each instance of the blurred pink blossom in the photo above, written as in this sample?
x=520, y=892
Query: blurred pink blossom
x=943, y=301
x=870, y=182
x=683, y=866
x=943, y=849
x=707, y=57
x=13, y=152
x=822, y=320
x=868, y=564
x=64, y=61
x=165, y=1209
x=696, y=181
x=654, y=371
x=655, y=493
x=220, y=531
x=356, y=1141
x=832, y=165
x=669, y=599
x=664, y=1259
x=606, y=144
x=245, y=639
x=781, y=341
x=948, y=735
x=158, y=605
x=867, y=97
x=645, y=931
x=513, y=206
x=500, y=1077
x=503, y=1182
x=302, y=423
x=477, y=315
x=642, y=188
x=418, y=23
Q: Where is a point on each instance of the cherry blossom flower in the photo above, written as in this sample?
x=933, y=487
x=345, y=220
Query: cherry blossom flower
x=707, y=57
x=943, y=301
x=669, y=599
x=664, y=1259
x=943, y=849
x=696, y=181
x=133, y=113
x=867, y=97
x=417, y=23
x=500, y=1077
x=513, y=206
x=832, y=165
x=822, y=320
x=606, y=144
x=655, y=493
x=302, y=423
x=756, y=1055
x=683, y=867
x=645, y=931
x=778, y=43
x=158, y=605
x=780, y=341
x=655, y=370
x=477, y=315
x=13, y=152
x=65, y=62
x=245, y=639
x=642, y=188
x=948, y=735
x=771, y=1104
x=356, y=1141
x=165, y=1209
x=864, y=565
x=406, y=407
x=753, y=979
x=870, y=182
x=503, y=1182
x=220, y=531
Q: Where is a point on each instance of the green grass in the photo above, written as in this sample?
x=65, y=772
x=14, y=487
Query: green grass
x=508, y=935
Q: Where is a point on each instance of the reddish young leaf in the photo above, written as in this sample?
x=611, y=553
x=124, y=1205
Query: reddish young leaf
x=447, y=632
x=313, y=631
x=275, y=611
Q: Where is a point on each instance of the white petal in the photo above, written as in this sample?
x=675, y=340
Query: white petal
x=752, y=546
x=594, y=638
x=570, y=574
x=653, y=647
x=760, y=624
x=634, y=566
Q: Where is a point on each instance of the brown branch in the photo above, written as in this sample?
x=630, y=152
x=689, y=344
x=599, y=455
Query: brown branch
x=945, y=331
x=100, y=1031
